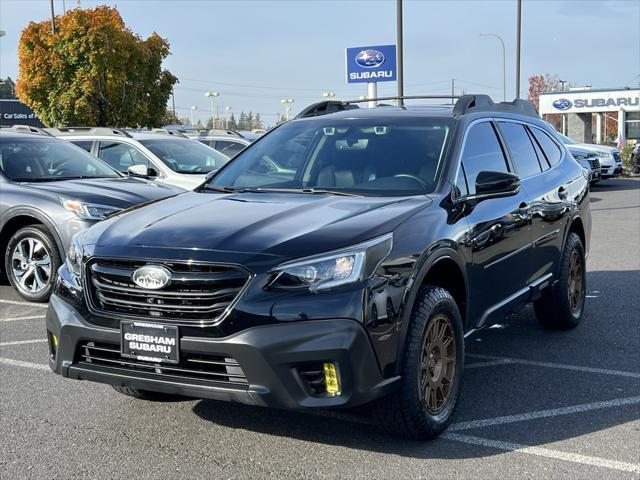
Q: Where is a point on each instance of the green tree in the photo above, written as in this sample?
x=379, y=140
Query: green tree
x=242, y=121
x=93, y=71
x=257, y=123
x=250, y=120
x=170, y=119
x=232, y=125
x=7, y=88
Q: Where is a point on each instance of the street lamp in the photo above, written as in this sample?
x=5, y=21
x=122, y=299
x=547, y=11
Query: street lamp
x=328, y=94
x=212, y=96
x=226, y=117
x=504, y=63
x=193, y=111
x=286, y=102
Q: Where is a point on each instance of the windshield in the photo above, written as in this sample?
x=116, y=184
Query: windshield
x=566, y=140
x=47, y=160
x=361, y=156
x=186, y=156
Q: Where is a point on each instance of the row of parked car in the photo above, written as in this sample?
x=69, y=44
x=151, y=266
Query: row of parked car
x=55, y=182
x=600, y=161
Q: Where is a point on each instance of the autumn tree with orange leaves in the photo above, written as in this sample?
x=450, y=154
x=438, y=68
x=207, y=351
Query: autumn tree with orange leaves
x=94, y=71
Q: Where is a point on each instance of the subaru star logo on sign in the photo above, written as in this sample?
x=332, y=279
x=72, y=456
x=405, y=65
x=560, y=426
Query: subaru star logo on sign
x=562, y=104
x=375, y=63
x=151, y=277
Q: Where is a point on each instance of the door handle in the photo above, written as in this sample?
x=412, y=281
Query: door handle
x=562, y=193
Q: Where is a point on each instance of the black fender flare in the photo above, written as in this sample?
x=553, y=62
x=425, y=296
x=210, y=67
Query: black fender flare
x=424, y=264
x=38, y=215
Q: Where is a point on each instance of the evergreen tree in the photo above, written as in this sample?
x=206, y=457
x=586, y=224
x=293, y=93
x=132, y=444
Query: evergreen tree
x=257, y=123
x=7, y=88
x=249, y=121
x=242, y=121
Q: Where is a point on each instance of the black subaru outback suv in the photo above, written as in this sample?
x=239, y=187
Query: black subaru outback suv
x=341, y=259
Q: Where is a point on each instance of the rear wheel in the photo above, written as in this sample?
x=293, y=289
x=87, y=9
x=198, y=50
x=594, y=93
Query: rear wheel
x=31, y=262
x=561, y=306
x=432, y=370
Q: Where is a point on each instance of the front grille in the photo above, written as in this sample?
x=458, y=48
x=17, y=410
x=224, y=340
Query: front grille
x=212, y=367
x=197, y=293
x=594, y=163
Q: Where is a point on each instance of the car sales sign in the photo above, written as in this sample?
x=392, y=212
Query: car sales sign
x=371, y=64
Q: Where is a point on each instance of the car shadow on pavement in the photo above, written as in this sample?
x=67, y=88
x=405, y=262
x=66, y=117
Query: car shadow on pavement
x=616, y=184
x=601, y=341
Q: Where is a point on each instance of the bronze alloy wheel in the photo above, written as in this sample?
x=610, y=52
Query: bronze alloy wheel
x=438, y=364
x=575, y=283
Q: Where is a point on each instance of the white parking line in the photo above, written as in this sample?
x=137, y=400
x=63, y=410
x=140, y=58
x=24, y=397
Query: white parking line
x=507, y=360
x=22, y=342
x=13, y=319
x=19, y=363
x=30, y=304
x=491, y=363
x=552, y=412
x=544, y=452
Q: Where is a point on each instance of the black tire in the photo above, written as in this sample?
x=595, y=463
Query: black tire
x=146, y=394
x=555, y=309
x=37, y=233
x=404, y=412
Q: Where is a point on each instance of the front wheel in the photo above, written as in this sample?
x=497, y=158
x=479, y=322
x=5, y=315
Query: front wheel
x=31, y=262
x=561, y=306
x=432, y=370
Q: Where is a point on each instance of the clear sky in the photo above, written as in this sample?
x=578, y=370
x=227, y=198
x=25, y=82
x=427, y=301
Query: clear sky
x=255, y=53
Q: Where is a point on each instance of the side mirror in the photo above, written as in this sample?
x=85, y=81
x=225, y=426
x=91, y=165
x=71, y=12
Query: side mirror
x=496, y=184
x=141, y=170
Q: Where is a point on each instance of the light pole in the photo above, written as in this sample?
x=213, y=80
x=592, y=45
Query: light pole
x=226, y=117
x=328, y=95
x=518, y=37
x=504, y=63
x=212, y=96
x=400, y=53
x=53, y=24
x=286, y=102
x=193, y=111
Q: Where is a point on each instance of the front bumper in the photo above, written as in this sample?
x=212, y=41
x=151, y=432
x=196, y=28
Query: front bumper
x=611, y=170
x=270, y=356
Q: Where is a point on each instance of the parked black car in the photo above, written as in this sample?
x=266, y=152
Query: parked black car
x=350, y=274
x=50, y=190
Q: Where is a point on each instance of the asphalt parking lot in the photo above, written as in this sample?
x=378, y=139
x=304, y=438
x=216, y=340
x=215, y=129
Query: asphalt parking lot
x=535, y=404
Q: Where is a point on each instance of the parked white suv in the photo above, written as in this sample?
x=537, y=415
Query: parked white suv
x=161, y=155
x=609, y=157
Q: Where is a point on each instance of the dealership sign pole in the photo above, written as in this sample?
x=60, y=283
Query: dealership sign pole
x=371, y=65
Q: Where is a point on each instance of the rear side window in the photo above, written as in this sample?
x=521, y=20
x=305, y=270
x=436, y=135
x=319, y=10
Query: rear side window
x=83, y=144
x=522, y=153
x=549, y=148
x=482, y=152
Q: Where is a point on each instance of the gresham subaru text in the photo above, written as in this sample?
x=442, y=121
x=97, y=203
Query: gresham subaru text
x=338, y=260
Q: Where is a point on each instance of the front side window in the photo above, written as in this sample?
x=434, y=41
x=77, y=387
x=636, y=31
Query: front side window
x=362, y=156
x=46, y=160
x=482, y=152
x=186, y=156
x=521, y=149
x=120, y=155
x=229, y=148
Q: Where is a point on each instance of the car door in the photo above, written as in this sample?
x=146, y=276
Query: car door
x=551, y=204
x=499, y=234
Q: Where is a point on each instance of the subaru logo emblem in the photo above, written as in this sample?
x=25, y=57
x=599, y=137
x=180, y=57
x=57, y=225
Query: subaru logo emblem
x=370, y=58
x=151, y=277
x=562, y=104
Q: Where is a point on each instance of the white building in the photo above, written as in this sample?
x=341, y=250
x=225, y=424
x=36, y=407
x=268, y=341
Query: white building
x=577, y=107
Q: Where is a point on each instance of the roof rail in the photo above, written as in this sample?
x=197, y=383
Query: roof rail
x=403, y=97
x=69, y=131
x=30, y=129
x=164, y=131
x=211, y=132
x=484, y=103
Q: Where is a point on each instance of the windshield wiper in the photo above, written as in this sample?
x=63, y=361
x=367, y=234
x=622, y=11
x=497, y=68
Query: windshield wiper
x=319, y=191
x=311, y=191
x=228, y=189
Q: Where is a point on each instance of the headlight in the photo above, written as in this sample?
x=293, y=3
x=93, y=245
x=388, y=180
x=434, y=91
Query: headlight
x=88, y=211
x=604, y=154
x=333, y=269
x=74, y=256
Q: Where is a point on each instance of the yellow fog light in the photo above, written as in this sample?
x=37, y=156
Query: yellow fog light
x=331, y=381
x=54, y=341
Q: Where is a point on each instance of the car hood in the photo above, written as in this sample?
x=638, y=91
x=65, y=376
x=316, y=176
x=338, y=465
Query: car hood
x=116, y=192
x=283, y=224
x=595, y=148
x=186, y=181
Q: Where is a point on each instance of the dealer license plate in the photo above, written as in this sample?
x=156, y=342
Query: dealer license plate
x=149, y=342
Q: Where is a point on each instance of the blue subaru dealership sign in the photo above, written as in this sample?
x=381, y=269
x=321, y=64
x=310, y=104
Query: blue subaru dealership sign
x=371, y=64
